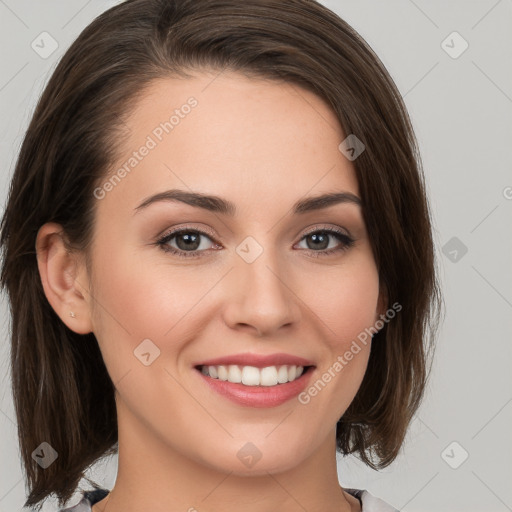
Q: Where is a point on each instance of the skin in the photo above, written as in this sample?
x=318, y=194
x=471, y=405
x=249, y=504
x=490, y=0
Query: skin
x=262, y=145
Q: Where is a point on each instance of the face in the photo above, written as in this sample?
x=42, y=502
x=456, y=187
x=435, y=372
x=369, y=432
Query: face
x=252, y=285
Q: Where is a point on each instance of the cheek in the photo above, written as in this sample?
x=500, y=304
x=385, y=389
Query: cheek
x=346, y=300
x=345, y=311
x=132, y=303
x=138, y=296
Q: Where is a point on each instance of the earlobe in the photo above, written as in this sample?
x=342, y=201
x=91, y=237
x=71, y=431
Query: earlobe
x=61, y=276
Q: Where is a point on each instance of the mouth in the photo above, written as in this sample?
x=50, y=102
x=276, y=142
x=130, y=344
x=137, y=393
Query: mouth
x=253, y=386
x=254, y=376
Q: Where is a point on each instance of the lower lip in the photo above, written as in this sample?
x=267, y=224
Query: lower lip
x=258, y=396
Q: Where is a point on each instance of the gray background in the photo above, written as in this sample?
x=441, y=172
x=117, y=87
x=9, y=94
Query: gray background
x=461, y=108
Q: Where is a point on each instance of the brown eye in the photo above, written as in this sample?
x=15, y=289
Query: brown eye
x=317, y=242
x=188, y=242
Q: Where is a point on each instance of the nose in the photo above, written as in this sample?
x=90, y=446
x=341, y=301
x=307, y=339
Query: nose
x=260, y=296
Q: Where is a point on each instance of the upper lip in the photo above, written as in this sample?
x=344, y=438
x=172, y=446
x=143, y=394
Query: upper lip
x=257, y=360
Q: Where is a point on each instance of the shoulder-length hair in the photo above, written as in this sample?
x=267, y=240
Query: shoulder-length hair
x=62, y=392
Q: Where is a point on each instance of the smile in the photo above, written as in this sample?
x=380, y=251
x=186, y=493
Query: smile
x=249, y=386
x=252, y=376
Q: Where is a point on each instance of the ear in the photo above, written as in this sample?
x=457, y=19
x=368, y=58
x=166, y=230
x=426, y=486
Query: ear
x=63, y=275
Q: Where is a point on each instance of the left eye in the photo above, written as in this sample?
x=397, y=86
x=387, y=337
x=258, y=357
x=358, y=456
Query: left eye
x=319, y=238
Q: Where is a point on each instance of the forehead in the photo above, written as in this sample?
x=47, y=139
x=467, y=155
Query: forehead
x=234, y=136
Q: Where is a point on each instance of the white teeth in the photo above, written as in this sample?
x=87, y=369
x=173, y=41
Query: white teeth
x=282, y=374
x=222, y=372
x=234, y=374
x=268, y=376
x=252, y=376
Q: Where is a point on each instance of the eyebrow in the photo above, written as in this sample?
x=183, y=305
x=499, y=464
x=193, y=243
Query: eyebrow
x=223, y=206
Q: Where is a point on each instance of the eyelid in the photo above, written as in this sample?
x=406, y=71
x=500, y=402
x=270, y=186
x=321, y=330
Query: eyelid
x=329, y=227
x=191, y=227
x=312, y=229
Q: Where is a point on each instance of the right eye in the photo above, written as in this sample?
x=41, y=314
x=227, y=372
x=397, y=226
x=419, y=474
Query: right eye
x=188, y=242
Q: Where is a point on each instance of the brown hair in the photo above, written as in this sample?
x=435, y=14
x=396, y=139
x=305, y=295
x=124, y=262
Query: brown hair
x=62, y=391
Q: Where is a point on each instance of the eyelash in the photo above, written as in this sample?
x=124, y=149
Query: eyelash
x=162, y=242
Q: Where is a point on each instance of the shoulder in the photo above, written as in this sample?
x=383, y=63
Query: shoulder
x=87, y=500
x=370, y=503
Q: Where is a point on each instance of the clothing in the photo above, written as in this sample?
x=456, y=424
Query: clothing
x=369, y=502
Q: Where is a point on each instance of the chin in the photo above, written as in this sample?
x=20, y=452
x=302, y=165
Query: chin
x=255, y=458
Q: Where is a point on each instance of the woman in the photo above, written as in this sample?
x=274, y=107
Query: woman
x=169, y=300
